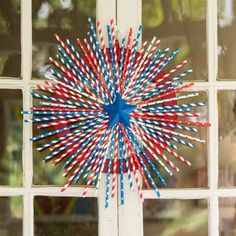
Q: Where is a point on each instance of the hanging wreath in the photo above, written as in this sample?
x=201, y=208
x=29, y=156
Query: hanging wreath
x=114, y=110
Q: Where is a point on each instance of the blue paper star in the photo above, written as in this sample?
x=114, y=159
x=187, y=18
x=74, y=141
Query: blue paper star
x=119, y=111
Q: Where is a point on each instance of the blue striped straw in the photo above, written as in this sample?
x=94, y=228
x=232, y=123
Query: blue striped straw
x=195, y=104
x=103, y=92
x=101, y=162
x=144, y=166
x=96, y=41
x=133, y=54
x=158, y=92
x=115, y=81
x=126, y=162
x=101, y=60
x=55, y=118
x=176, y=126
x=122, y=59
x=90, y=157
x=92, y=132
x=69, y=84
x=156, y=136
x=147, y=70
x=63, y=147
x=76, y=72
x=109, y=167
x=35, y=138
x=121, y=171
x=45, y=97
x=178, y=140
x=137, y=144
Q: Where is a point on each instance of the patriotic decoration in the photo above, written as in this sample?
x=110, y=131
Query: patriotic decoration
x=114, y=111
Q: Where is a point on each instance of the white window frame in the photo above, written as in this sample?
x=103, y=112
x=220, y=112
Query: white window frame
x=128, y=219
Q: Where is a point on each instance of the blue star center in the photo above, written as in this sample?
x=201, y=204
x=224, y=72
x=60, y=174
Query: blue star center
x=119, y=111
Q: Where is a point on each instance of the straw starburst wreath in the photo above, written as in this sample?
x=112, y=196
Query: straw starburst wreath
x=113, y=110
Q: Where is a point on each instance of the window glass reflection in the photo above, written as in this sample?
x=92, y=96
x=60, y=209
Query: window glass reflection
x=227, y=138
x=227, y=216
x=10, y=49
x=11, y=137
x=69, y=19
x=175, y=217
x=59, y=216
x=226, y=39
x=11, y=216
x=182, y=24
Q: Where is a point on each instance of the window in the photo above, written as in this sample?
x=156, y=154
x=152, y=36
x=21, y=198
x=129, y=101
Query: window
x=200, y=200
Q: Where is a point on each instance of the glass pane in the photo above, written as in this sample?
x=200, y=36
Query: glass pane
x=69, y=19
x=226, y=39
x=194, y=176
x=11, y=209
x=59, y=216
x=182, y=24
x=47, y=173
x=227, y=216
x=10, y=49
x=11, y=137
x=175, y=217
x=227, y=138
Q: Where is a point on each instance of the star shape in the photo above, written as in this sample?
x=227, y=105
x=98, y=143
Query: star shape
x=119, y=111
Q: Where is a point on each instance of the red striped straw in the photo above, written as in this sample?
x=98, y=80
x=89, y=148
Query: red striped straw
x=152, y=87
x=142, y=65
x=67, y=91
x=92, y=57
x=65, y=141
x=163, y=146
x=150, y=140
x=94, y=167
x=115, y=52
x=102, y=41
x=71, y=77
x=76, y=145
x=136, y=177
x=73, y=147
x=66, y=121
x=113, y=186
x=103, y=47
x=165, y=94
x=169, y=73
x=80, y=66
x=96, y=139
x=60, y=93
x=94, y=69
x=137, y=162
x=151, y=114
x=175, y=121
x=137, y=62
x=148, y=76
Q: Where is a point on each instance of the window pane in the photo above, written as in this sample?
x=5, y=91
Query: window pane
x=194, y=176
x=182, y=24
x=59, y=216
x=227, y=138
x=226, y=39
x=175, y=217
x=227, y=216
x=11, y=216
x=69, y=19
x=10, y=55
x=47, y=173
x=11, y=137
